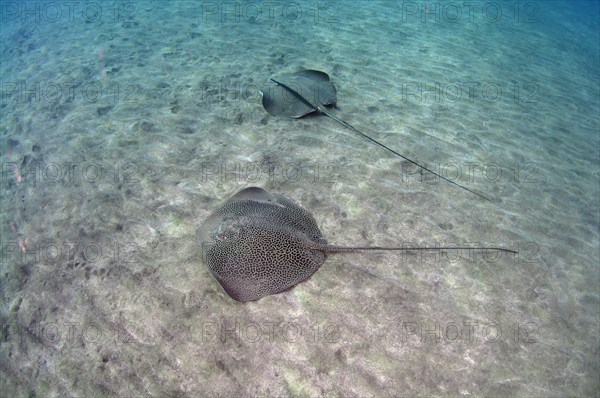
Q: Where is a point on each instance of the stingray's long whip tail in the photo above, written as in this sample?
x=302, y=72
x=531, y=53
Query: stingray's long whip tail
x=343, y=123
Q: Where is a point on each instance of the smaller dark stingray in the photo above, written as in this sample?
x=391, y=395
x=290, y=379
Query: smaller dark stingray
x=259, y=243
x=297, y=94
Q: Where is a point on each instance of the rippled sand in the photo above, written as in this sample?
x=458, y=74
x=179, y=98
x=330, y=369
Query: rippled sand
x=122, y=130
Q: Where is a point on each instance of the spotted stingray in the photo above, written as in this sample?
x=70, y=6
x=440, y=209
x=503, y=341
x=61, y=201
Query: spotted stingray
x=259, y=243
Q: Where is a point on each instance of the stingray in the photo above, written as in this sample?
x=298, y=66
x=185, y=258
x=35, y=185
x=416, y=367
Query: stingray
x=298, y=94
x=259, y=243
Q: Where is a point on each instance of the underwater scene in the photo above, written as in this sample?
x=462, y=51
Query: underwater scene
x=196, y=198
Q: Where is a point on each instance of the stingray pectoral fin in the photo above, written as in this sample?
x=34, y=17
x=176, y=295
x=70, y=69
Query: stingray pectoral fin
x=244, y=289
x=312, y=85
x=278, y=100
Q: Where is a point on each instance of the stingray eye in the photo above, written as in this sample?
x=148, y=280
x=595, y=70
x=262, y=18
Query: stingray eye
x=226, y=233
x=229, y=229
x=223, y=235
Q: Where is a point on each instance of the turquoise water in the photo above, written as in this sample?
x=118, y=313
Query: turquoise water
x=123, y=125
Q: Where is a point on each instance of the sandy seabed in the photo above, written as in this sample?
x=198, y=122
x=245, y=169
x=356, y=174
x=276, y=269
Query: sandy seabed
x=122, y=130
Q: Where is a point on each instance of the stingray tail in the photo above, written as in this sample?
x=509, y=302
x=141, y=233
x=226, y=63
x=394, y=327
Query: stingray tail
x=345, y=124
x=344, y=249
